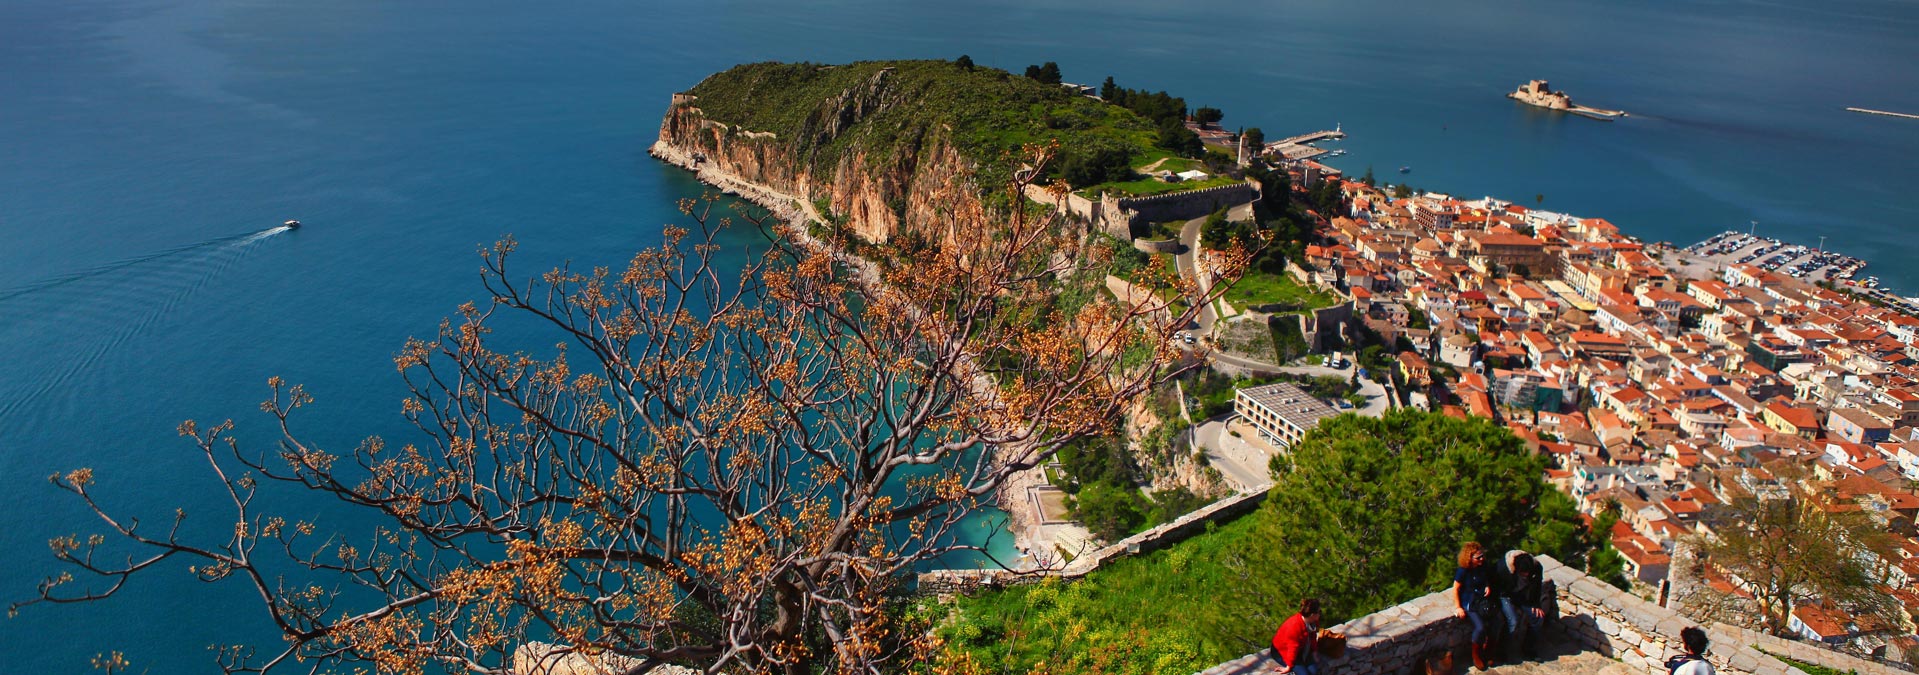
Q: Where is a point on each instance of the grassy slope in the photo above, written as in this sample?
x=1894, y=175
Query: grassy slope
x=1134, y=607
x=990, y=113
x=1258, y=288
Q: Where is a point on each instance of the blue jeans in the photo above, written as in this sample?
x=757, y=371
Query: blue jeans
x=1310, y=667
x=1479, y=626
x=1518, y=614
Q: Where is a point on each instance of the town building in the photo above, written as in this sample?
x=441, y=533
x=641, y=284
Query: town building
x=1282, y=411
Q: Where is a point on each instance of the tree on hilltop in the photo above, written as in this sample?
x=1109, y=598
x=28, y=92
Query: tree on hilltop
x=965, y=62
x=730, y=472
x=1208, y=115
x=1048, y=73
x=1368, y=512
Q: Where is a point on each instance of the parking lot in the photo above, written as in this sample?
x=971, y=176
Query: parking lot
x=1793, y=260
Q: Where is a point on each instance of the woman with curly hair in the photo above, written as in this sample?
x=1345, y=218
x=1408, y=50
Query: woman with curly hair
x=1473, y=597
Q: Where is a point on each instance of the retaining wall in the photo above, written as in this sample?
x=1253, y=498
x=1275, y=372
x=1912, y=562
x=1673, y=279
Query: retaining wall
x=1593, y=614
x=1153, y=539
x=1168, y=246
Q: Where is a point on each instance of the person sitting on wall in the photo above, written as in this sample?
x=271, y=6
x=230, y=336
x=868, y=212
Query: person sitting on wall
x=1523, y=601
x=1295, y=645
x=1473, y=598
x=1693, y=662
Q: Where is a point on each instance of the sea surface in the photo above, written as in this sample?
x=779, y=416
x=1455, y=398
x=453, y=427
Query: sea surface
x=148, y=148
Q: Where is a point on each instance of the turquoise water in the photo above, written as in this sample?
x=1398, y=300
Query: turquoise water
x=146, y=148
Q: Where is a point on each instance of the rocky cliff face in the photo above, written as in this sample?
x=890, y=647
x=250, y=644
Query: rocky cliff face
x=919, y=185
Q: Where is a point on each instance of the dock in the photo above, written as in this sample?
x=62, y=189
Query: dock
x=1303, y=139
x=1300, y=147
x=1870, y=111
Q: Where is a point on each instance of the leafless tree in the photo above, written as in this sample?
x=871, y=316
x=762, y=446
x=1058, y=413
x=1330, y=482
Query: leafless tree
x=730, y=471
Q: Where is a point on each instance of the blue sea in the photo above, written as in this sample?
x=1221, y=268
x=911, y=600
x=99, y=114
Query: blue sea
x=148, y=147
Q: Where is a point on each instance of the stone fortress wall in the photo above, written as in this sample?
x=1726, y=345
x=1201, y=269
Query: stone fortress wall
x=1592, y=614
x=1118, y=216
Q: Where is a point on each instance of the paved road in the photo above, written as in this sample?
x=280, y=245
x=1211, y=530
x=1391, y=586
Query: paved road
x=1189, y=241
x=1241, y=463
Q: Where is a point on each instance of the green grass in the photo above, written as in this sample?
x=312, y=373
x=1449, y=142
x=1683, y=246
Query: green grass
x=1133, y=615
x=1260, y=289
x=1174, y=164
x=1146, y=187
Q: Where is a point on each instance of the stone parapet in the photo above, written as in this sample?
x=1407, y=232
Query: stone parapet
x=1152, y=539
x=1592, y=614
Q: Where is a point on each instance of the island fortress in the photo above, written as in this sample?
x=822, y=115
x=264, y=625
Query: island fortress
x=1540, y=93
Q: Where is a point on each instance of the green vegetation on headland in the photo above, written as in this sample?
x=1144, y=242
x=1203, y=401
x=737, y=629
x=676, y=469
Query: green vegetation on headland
x=822, y=112
x=1278, y=294
x=1366, y=514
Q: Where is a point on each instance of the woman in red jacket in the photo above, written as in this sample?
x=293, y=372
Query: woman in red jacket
x=1296, y=646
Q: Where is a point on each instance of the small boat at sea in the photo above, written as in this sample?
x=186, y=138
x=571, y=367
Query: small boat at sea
x=293, y=224
x=1405, y=169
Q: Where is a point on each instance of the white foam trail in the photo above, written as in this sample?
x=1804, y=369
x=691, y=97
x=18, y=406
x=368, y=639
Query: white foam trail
x=114, y=310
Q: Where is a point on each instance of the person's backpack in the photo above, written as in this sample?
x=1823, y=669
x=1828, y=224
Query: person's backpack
x=1673, y=664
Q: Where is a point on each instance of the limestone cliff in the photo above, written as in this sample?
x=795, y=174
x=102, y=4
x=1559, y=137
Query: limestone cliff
x=926, y=187
x=916, y=149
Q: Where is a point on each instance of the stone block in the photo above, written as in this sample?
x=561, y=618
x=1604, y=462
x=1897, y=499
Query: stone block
x=1646, y=614
x=1590, y=591
x=1745, y=659
x=1805, y=652
x=1635, y=659
x=1671, y=625
x=1606, y=626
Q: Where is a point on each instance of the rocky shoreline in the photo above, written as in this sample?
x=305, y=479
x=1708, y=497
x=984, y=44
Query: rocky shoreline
x=794, y=212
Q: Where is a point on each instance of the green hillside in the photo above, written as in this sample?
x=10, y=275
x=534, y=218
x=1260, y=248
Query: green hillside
x=988, y=114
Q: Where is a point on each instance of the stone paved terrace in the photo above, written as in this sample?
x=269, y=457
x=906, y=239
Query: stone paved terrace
x=1600, y=629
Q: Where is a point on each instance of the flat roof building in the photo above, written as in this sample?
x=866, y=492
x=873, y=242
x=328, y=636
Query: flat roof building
x=1282, y=412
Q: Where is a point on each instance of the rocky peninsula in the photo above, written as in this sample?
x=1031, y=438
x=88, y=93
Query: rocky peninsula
x=886, y=155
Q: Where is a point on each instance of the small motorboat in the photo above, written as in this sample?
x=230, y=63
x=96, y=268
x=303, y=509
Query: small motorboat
x=293, y=224
x=1405, y=169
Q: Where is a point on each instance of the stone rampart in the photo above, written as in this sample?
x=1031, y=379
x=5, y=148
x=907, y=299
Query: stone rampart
x=1327, y=324
x=1186, y=204
x=1167, y=246
x=1592, y=614
x=1118, y=216
x=1153, y=539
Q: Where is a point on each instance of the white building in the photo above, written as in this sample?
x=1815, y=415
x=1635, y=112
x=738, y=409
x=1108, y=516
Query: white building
x=1282, y=412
